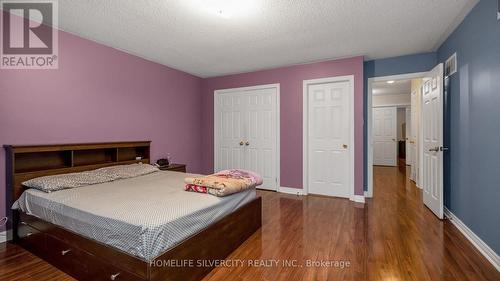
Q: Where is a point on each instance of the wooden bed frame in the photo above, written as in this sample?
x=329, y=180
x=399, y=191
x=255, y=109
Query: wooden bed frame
x=86, y=259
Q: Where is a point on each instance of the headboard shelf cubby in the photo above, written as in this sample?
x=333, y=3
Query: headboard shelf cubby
x=36, y=161
x=130, y=153
x=94, y=156
x=25, y=162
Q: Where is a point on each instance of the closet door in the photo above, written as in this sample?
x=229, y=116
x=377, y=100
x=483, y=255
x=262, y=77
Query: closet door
x=261, y=132
x=328, y=129
x=230, y=131
x=246, y=131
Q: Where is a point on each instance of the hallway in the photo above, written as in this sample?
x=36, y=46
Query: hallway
x=407, y=242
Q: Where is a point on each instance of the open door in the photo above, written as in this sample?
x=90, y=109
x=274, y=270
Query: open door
x=432, y=128
x=409, y=156
x=415, y=117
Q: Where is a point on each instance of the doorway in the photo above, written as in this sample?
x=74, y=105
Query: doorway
x=421, y=95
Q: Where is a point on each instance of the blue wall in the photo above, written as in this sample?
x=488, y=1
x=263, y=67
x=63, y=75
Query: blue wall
x=472, y=185
x=392, y=66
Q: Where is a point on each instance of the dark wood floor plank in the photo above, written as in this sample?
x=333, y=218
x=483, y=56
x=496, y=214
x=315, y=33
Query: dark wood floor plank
x=391, y=237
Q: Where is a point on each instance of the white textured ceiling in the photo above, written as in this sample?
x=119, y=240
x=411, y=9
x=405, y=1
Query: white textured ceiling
x=399, y=87
x=187, y=35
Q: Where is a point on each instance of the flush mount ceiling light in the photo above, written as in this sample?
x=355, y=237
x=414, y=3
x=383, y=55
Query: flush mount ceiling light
x=227, y=8
x=390, y=82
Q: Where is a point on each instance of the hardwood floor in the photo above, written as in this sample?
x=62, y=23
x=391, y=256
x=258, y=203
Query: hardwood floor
x=391, y=237
x=18, y=264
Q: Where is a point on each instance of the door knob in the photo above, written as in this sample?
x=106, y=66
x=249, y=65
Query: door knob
x=443, y=148
x=242, y=143
x=393, y=139
x=435, y=149
x=344, y=146
x=247, y=143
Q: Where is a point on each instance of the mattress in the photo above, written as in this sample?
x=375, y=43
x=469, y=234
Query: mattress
x=143, y=216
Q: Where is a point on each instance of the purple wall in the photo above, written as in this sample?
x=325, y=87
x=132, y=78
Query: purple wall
x=290, y=79
x=100, y=94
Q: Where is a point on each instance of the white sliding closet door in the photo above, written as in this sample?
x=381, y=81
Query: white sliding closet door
x=246, y=131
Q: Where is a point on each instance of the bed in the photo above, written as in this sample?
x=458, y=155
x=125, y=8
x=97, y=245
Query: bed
x=141, y=228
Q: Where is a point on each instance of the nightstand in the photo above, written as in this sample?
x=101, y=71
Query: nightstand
x=174, y=168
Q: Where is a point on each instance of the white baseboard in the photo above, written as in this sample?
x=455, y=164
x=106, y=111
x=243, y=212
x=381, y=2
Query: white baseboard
x=300, y=192
x=358, y=198
x=487, y=252
x=290, y=190
x=367, y=194
x=4, y=235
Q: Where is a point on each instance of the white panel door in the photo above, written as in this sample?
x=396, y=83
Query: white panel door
x=260, y=141
x=414, y=135
x=329, y=163
x=432, y=127
x=384, y=136
x=409, y=156
x=230, y=130
x=246, y=131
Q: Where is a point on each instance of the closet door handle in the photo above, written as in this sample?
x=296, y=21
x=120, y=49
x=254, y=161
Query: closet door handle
x=242, y=143
x=247, y=143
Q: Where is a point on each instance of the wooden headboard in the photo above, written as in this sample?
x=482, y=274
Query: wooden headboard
x=25, y=162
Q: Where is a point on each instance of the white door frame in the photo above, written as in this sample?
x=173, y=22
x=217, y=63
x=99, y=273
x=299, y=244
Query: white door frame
x=305, y=112
x=278, y=131
x=369, y=121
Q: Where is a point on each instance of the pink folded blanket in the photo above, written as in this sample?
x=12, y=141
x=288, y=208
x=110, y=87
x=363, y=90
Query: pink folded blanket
x=224, y=183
